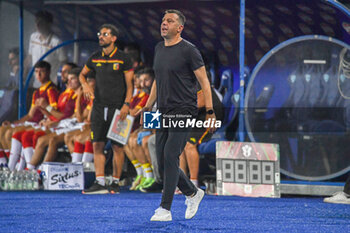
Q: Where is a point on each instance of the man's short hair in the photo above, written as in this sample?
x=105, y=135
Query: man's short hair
x=71, y=64
x=138, y=70
x=149, y=71
x=75, y=71
x=43, y=64
x=114, y=29
x=45, y=16
x=15, y=51
x=182, y=17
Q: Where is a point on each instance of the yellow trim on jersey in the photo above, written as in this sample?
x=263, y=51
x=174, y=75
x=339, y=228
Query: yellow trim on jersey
x=126, y=71
x=107, y=61
x=113, y=52
x=43, y=87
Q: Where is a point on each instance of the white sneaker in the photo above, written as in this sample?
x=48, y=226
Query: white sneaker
x=162, y=215
x=338, y=198
x=193, y=204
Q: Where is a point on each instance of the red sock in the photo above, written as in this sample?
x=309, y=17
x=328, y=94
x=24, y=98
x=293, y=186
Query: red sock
x=2, y=154
x=36, y=136
x=88, y=147
x=78, y=147
x=27, y=139
x=7, y=153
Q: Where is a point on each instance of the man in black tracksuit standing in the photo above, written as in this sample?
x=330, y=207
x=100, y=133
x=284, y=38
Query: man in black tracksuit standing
x=178, y=65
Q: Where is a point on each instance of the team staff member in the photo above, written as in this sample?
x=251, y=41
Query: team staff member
x=113, y=69
x=177, y=65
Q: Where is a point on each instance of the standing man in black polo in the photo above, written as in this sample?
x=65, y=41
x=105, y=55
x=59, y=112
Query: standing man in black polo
x=113, y=69
x=178, y=66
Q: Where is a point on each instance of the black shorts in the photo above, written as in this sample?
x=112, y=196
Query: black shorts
x=101, y=119
x=197, y=136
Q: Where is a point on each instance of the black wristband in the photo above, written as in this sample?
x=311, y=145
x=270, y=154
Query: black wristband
x=127, y=104
x=210, y=111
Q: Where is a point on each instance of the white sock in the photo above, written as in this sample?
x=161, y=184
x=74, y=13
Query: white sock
x=28, y=153
x=195, y=182
x=30, y=167
x=101, y=180
x=138, y=167
x=115, y=180
x=76, y=157
x=3, y=161
x=15, y=153
x=88, y=157
x=22, y=163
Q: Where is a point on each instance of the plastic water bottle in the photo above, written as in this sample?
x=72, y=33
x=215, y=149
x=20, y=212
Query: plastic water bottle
x=6, y=178
x=1, y=177
x=27, y=182
x=11, y=181
x=19, y=180
x=35, y=180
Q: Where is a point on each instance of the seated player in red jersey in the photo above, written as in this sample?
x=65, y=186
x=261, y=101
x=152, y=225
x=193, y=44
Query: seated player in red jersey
x=133, y=149
x=14, y=130
x=72, y=105
x=79, y=143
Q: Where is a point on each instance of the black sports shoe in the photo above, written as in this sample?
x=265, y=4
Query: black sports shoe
x=154, y=188
x=96, y=188
x=114, y=188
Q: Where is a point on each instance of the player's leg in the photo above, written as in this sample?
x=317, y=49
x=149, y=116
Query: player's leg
x=118, y=162
x=39, y=144
x=99, y=128
x=192, y=158
x=54, y=142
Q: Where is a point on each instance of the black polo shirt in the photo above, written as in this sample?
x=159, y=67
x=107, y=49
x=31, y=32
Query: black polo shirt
x=110, y=87
x=176, y=82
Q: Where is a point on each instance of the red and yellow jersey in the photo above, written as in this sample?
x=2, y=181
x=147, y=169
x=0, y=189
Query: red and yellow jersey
x=84, y=103
x=89, y=106
x=50, y=93
x=66, y=104
x=139, y=100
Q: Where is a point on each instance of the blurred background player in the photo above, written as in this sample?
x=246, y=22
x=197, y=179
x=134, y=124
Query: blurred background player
x=63, y=78
x=41, y=41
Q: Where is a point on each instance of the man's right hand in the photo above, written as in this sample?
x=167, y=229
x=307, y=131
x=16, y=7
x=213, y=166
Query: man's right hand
x=88, y=92
x=144, y=109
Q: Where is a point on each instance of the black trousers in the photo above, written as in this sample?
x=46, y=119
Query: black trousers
x=347, y=186
x=169, y=145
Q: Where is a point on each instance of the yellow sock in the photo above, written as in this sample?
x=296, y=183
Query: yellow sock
x=147, y=170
